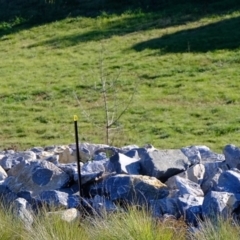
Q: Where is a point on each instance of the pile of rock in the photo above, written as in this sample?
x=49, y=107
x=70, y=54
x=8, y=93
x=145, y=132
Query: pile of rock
x=191, y=182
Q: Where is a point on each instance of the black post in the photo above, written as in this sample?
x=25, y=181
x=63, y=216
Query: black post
x=78, y=156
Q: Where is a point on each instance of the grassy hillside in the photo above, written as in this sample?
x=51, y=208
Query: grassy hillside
x=181, y=58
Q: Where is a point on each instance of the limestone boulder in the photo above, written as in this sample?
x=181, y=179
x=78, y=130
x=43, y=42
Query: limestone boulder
x=12, y=159
x=3, y=174
x=184, y=186
x=74, y=201
x=7, y=196
x=133, y=153
x=229, y=181
x=88, y=177
x=54, y=198
x=35, y=203
x=163, y=164
x=69, y=168
x=87, y=151
x=124, y=164
x=190, y=207
x=210, y=181
x=207, y=155
x=232, y=155
x=192, y=153
x=134, y=188
x=36, y=176
x=95, y=166
x=213, y=167
x=201, y=154
x=234, y=204
x=67, y=156
x=37, y=150
x=69, y=215
x=100, y=156
x=52, y=158
x=163, y=206
x=92, y=170
x=22, y=209
x=129, y=148
x=101, y=205
x=216, y=203
x=195, y=174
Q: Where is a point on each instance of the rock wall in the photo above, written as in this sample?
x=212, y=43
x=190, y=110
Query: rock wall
x=190, y=182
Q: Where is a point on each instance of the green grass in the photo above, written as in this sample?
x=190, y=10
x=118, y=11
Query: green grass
x=49, y=228
x=184, y=65
x=217, y=229
x=10, y=227
x=135, y=224
x=130, y=224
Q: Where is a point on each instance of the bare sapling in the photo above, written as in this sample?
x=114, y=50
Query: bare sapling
x=112, y=98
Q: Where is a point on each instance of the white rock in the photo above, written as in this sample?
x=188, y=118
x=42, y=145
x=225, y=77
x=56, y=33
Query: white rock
x=3, y=174
x=194, y=174
x=69, y=215
x=67, y=156
x=36, y=176
x=185, y=186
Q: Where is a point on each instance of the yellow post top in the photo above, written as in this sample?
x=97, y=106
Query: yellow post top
x=75, y=118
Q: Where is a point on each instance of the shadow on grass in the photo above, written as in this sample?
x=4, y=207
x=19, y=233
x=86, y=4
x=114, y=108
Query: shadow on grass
x=117, y=27
x=217, y=36
x=17, y=15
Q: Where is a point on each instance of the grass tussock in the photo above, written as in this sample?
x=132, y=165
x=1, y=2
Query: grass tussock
x=135, y=224
x=130, y=224
x=11, y=227
x=217, y=229
x=50, y=228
